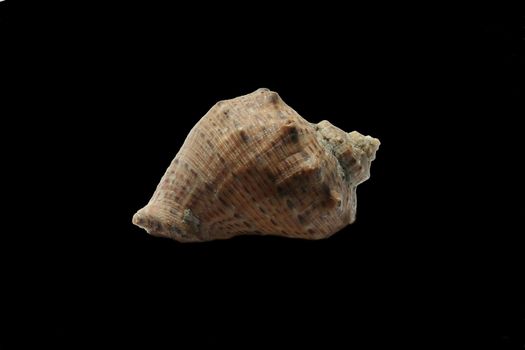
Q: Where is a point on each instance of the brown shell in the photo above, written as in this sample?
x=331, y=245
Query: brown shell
x=252, y=165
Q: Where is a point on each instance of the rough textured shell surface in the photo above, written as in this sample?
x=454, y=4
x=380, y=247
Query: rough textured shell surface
x=252, y=165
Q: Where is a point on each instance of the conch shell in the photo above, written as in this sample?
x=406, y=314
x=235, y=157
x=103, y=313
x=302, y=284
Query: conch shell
x=252, y=165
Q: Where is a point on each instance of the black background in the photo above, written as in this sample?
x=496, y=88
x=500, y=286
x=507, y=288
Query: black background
x=105, y=95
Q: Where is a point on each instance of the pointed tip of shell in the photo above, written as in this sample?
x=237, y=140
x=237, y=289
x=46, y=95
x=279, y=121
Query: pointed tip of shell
x=156, y=225
x=367, y=143
x=140, y=221
x=147, y=222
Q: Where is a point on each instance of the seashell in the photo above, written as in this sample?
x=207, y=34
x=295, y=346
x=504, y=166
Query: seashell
x=253, y=165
